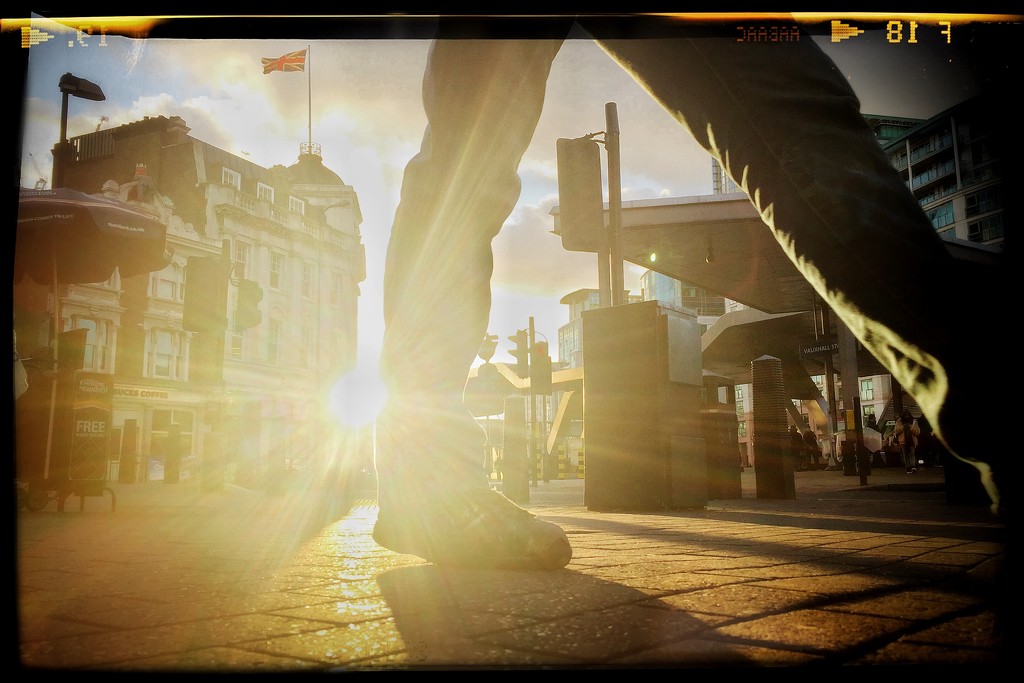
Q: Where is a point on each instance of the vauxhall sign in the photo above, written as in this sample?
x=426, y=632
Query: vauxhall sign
x=820, y=348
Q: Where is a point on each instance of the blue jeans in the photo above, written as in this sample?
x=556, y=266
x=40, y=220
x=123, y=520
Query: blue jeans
x=781, y=120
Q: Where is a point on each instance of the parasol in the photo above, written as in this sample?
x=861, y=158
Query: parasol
x=70, y=237
x=80, y=238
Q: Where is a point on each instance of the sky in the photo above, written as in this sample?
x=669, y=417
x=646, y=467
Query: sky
x=362, y=98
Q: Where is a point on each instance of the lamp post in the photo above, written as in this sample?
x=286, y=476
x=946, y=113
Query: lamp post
x=79, y=87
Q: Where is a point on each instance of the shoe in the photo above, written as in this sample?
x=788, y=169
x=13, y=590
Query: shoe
x=479, y=529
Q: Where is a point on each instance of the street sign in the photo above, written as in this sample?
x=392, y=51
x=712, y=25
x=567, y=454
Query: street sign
x=820, y=348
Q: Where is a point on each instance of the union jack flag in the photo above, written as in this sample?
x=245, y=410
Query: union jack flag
x=293, y=61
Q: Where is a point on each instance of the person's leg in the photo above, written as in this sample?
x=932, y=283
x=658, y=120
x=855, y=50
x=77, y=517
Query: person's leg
x=785, y=124
x=482, y=99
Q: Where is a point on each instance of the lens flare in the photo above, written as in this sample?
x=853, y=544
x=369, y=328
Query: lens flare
x=357, y=398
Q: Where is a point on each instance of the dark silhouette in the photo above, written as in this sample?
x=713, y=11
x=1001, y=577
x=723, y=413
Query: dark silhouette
x=786, y=126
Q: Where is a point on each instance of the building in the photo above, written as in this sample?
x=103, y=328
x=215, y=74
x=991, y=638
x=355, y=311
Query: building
x=570, y=335
x=698, y=301
x=254, y=397
x=950, y=163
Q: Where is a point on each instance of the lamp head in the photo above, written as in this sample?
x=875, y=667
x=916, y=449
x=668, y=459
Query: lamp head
x=79, y=87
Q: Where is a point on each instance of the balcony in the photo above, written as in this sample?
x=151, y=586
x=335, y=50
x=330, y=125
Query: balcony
x=932, y=147
x=922, y=180
x=225, y=195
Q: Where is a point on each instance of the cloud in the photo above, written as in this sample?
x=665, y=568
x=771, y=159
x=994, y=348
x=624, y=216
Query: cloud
x=528, y=258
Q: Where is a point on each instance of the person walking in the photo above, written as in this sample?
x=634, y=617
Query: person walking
x=813, y=449
x=907, y=433
x=781, y=120
x=797, y=449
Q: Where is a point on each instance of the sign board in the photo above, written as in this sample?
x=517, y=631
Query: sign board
x=821, y=348
x=90, y=426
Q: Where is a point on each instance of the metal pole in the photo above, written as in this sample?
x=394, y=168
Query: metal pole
x=58, y=181
x=58, y=174
x=531, y=419
x=614, y=202
x=603, y=276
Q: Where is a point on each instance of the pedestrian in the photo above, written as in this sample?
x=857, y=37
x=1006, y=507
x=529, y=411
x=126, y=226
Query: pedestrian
x=797, y=449
x=780, y=118
x=907, y=432
x=927, y=447
x=813, y=449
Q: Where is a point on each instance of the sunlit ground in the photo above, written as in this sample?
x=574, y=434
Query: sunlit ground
x=313, y=496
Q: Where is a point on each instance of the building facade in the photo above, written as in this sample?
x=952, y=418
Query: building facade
x=251, y=398
x=950, y=163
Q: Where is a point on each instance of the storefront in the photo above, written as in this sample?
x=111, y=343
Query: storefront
x=143, y=417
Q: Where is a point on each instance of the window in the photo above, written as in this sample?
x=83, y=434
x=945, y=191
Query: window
x=162, y=421
x=981, y=151
x=95, y=358
x=983, y=201
x=232, y=178
x=167, y=283
x=308, y=273
x=941, y=216
x=297, y=205
x=241, y=259
x=741, y=428
x=273, y=340
x=163, y=358
x=868, y=412
x=867, y=390
x=265, y=192
x=740, y=410
x=988, y=228
x=276, y=269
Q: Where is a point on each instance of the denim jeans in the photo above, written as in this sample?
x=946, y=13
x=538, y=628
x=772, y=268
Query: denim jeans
x=782, y=121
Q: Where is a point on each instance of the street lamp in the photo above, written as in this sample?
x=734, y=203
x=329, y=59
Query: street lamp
x=79, y=87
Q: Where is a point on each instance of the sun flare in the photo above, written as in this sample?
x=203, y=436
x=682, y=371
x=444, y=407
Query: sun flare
x=357, y=398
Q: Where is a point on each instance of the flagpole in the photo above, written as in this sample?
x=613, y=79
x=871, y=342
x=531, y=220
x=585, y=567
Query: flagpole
x=309, y=96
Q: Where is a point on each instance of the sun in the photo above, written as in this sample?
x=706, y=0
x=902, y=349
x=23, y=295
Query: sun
x=358, y=397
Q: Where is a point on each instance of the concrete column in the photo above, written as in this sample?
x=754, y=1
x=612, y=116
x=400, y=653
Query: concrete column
x=773, y=468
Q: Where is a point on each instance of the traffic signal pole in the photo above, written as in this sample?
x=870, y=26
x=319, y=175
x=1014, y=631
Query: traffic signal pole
x=611, y=142
x=532, y=418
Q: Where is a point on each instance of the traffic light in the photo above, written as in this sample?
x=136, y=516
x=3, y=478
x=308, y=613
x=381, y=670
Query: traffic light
x=540, y=368
x=580, y=203
x=521, y=353
x=206, y=292
x=487, y=347
x=247, y=312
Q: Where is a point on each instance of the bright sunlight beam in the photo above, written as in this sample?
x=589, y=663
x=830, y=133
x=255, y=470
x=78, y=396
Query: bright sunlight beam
x=358, y=397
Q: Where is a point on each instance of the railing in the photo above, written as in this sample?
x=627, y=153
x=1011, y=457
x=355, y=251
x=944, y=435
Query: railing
x=262, y=208
x=939, y=193
x=933, y=146
x=932, y=174
x=93, y=145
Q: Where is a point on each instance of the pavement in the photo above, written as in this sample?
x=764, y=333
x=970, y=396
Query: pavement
x=171, y=578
